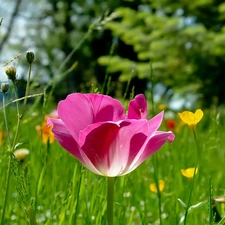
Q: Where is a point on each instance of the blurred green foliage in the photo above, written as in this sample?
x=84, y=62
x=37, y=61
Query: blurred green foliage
x=184, y=41
x=114, y=42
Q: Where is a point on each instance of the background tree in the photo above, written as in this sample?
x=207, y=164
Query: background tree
x=184, y=42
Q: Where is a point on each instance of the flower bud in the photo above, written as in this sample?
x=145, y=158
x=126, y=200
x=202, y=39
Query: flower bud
x=4, y=87
x=11, y=73
x=21, y=154
x=30, y=57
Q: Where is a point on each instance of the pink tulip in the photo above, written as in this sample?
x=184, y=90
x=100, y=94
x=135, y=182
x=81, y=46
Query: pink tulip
x=95, y=129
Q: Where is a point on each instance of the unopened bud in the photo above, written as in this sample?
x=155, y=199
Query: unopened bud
x=11, y=73
x=21, y=154
x=4, y=87
x=30, y=57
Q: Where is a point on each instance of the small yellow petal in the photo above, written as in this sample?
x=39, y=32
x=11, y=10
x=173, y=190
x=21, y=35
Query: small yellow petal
x=189, y=172
x=187, y=117
x=153, y=186
x=198, y=115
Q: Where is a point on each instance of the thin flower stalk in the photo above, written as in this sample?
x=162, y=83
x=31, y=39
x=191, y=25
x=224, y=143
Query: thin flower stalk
x=191, y=119
x=30, y=59
x=193, y=180
x=11, y=146
x=9, y=163
x=155, y=162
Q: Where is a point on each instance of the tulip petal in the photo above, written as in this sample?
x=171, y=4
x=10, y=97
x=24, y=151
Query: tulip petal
x=64, y=137
x=137, y=108
x=155, y=123
x=106, y=108
x=97, y=141
x=112, y=147
x=77, y=111
x=67, y=141
x=152, y=145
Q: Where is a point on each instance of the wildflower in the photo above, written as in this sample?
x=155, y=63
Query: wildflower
x=1, y=136
x=170, y=124
x=95, y=129
x=162, y=107
x=4, y=87
x=30, y=57
x=11, y=73
x=189, y=172
x=21, y=154
x=191, y=119
x=46, y=131
x=153, y=186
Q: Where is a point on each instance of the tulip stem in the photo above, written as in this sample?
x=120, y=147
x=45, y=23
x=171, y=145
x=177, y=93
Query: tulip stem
x=110, y=196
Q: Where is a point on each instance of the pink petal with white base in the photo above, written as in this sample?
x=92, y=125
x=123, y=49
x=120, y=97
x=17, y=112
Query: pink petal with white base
x=112, y=147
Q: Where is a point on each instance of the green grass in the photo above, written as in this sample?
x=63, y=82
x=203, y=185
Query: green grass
x=51, y=187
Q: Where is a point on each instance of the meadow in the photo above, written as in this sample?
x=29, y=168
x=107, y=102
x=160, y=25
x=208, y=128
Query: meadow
x=51, y=187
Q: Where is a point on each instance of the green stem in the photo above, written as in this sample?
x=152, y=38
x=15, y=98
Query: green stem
x=18, y=117
x=110, y=196
x=210, y=202
x=78, y=194
x=11, y=148
x=155, y=161
x=107, y=69
x=152, y=89
x=66, y=60
x=192, y=182
x=27, y=90
x=9, y=164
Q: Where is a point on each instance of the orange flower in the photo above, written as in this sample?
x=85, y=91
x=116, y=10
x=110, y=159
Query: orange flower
x=1, y=136
x=153, y=186
x=46, y=131
x=170, y=124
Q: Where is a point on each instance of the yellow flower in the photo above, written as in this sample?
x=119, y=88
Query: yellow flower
x=162, y=107
x=21, y=154
x=153, y=186
x=191, y=119
x=189, y=172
